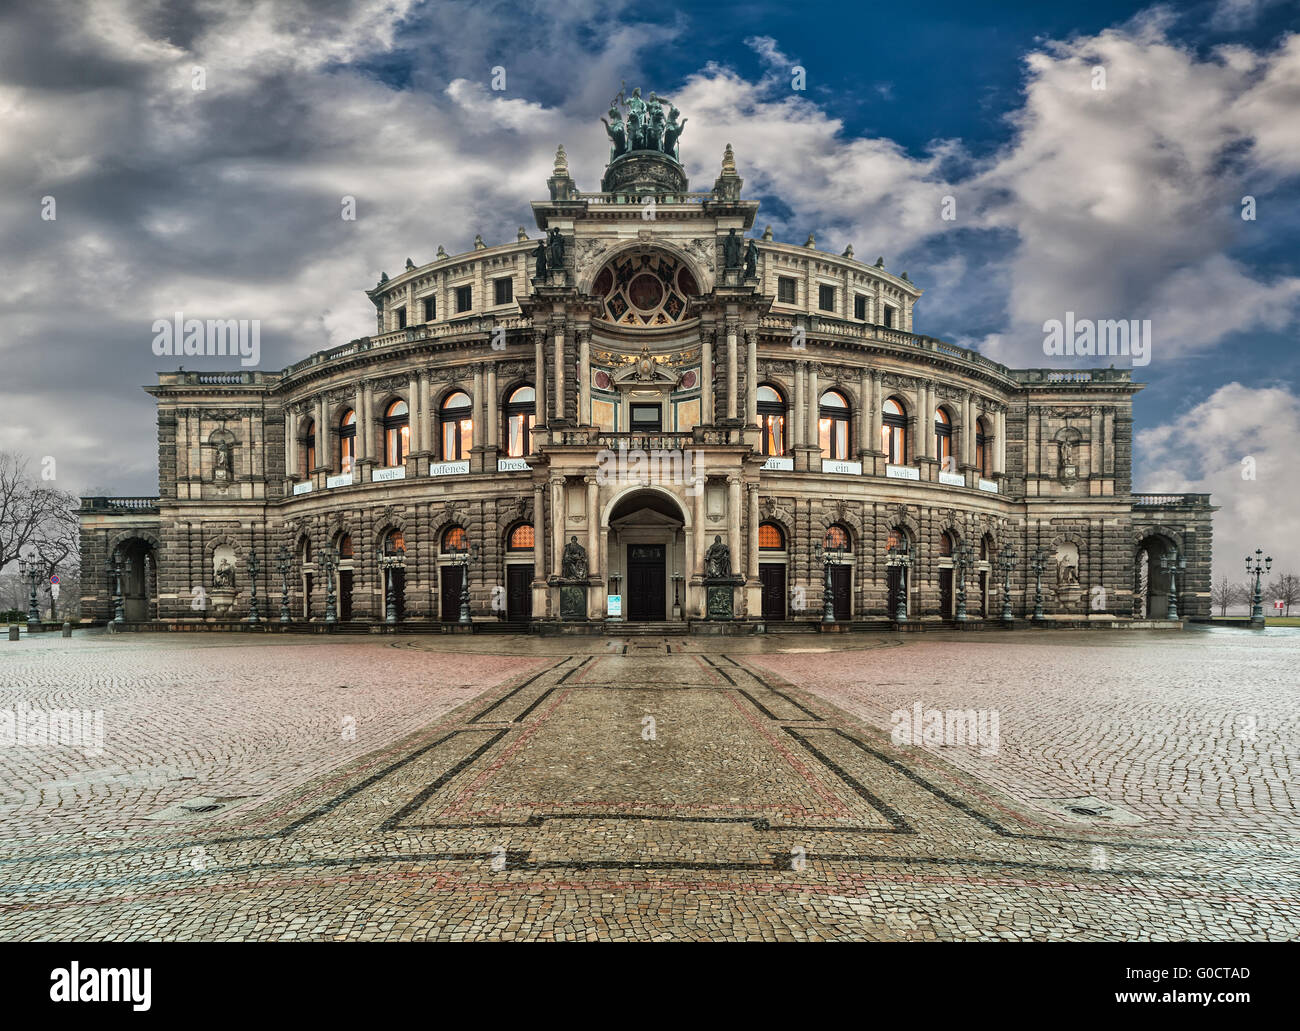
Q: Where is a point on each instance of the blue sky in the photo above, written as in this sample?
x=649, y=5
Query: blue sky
x=223, y=202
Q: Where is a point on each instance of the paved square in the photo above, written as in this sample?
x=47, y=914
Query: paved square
x=678, y=788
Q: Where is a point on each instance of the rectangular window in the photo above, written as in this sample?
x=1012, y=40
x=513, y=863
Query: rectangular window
x=647, y=418
x=785, y=290
x=503, y=290
x=860, y=307
x=826, y=297
x=464, y=298
x=401, y=318
x=834, y=438
x=889, y=317
x=430, y=309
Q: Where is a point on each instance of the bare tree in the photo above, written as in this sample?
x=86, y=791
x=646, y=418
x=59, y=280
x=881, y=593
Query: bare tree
x=1286, y=589
x=1225, y=594
x=36, y=519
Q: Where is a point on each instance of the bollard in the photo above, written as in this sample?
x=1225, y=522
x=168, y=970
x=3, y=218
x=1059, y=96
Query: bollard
x=13, y=631
x=67, y=629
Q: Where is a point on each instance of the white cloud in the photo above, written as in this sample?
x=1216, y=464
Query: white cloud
x=1202, y=451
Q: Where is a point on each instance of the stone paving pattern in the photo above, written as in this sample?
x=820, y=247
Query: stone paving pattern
x=506, y=788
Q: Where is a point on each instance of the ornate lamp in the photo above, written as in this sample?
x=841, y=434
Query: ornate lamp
x=1038, y=563
x=1007, y=562
x=463, y=556
x=965, y=557
x=828, y=556
x=387, y=563
x=900, y=556
x=254, y=567
x=1257, y=608
x=283, y=562
x=1172, y=564
x=329, y=560
x=29, y=568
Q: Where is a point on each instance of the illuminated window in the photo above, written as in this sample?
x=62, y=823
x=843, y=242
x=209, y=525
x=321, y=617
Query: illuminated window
x=347, y=441
x=521, y=538
x=395, y=543
x=836, y=537
x=457, y=426
x=771, y=420
x=397, y=433
x=893, y=432
x=454, y=538
x=942, y=437
x=345, y=546
x=770, y=537
x=833, y=425
x=521, y=413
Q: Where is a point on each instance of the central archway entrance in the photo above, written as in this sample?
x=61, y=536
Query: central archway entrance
x=647, y=546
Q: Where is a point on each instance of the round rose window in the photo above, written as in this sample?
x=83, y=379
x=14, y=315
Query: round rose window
x=644, y=288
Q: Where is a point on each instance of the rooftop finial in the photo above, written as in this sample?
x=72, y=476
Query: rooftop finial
x=848, y=251
x=479, y=245
x=522, y=236
x=442, y=253
x=410, y=264
x=811, y=241
x=561, y=162
x=728, y=161
x=767, y=233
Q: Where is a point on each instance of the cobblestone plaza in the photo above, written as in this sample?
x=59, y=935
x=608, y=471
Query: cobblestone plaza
x=288, y=787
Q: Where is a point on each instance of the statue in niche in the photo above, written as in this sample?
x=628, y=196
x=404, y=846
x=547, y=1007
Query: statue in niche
x=717, y=560
x=574, y=561
x=539, y=257
x=224, y=575
x=554, y=249
x=751, y=260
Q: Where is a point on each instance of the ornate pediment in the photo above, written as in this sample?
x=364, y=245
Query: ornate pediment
x=646, y=372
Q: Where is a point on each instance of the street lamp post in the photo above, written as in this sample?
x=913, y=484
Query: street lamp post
x=1038, y=563
x=900, y=555
x=828, y=556
x=29, y=568
x=964, y=559
x=115, y=570
x=254, y=567
x=387, y=563
x=1007, y=562
x=463, y=555
x=283, y=562
x=1257, y=608
x=329, y=560
x=1171, y=564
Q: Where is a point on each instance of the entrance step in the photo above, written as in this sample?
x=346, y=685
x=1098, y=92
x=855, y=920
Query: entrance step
x=646, y=629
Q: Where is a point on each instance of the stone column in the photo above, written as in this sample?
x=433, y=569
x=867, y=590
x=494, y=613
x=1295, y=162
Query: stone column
x=493, y=420
x=697, y=559
x=584, y=377
x=751, y=377
x=814, y=408
x=479, y=415
x=797, y=416
x=559, y=369
x=414, y=413
x=558, y=521
x=290, y=444
x=1095, y=452
x=733, y=520
x=751, y=557
x=733, y=368
x=539, y=377
x=593, y=529
x=877, y=408
x=968, y=430
x=707, y=413
x=539, y=532
x=322, y=436
x=427, y=441
x=1000, y=444
x=867, y=402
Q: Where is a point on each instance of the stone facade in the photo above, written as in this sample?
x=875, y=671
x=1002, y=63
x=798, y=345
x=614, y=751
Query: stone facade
x=653, y=355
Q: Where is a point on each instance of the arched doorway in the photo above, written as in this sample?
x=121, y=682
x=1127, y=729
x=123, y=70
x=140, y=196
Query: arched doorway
x=139, y=565
x=1150, y=581
x=646, y=545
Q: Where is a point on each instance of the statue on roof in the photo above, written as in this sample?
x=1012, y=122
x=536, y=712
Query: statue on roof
x=645, y=126
x=673, y=132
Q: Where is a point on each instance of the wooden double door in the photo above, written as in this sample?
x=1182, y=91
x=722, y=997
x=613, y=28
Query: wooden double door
x=772, y=576
x=646, y=599
x=519, y=593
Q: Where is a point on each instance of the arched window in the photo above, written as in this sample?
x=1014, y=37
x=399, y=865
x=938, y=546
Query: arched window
x=943, y=439
x=833, y=425
x=946, y=544
x=770, y=537
x=394, y=543
x=309, y=447
x=837, y=537
x=347, y=441
x=397, y=433
x=454, y=538
x=981, y=448
x=345, y=546
x=521, y=412
x=893, y=431
x=457, y=426
x=304, y=550
x=895, y=539
x=521, y=538
x=771, y=420
x=986, y=548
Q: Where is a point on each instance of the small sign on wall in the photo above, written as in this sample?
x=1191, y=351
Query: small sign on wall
x=614, y=605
